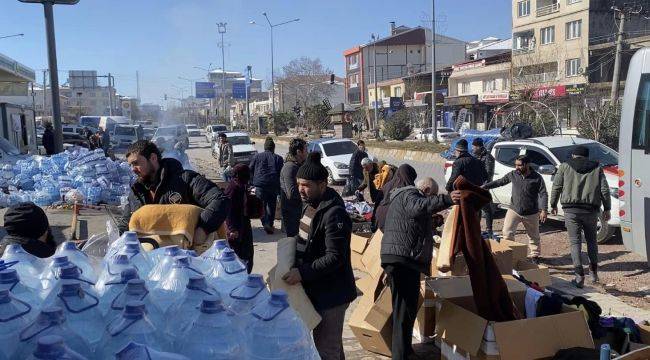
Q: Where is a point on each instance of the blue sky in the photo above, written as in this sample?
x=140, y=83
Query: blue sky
x=165, y=39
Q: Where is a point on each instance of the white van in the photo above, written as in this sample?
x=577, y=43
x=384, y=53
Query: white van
x=108, y=122
x=634, y=156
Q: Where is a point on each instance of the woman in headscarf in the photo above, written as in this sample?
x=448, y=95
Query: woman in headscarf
x=239, y=231
x=405, y=176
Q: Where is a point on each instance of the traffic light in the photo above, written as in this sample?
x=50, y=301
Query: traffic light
x=332, y=79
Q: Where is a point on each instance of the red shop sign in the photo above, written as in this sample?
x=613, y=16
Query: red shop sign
x=550, y=91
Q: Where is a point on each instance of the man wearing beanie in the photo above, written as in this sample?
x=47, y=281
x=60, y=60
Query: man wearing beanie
x=466, y=165
x=323, y=256
x=581, y=187
x=27, y=225
x=480, y=152
x=265, y=169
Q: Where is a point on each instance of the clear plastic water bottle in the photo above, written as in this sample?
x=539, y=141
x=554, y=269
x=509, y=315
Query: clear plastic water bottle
x=68, y=272
x=79, y=258
x=163, y=262
x=137, y=256
x=228, y=273
x=134, y=325
x=211, y=335
x=277, y=332
x=183, y=310
x=245, y=297
x=114, y=288
x=135, y=351
x=81, y=311
x=116, y=246
x=50, y=321
x=52, y=272
x=112, y=271
x=15, y=314
x=10, y=280
x=168, y=289
x=215, y=250
x=28, y=266
x=52, y=347
x=136, y=289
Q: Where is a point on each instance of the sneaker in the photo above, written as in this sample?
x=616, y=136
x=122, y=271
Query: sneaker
x=593, y=275
x=578, y=281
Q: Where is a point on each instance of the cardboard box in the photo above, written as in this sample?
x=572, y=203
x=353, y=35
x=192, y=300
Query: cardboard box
x=533, y=272
x=642, y=354
x=458, y=324
x=519, y=250
x=502, y=254
x=644, y=329
x=376, y=340
x=358, y=245
x=371, y=258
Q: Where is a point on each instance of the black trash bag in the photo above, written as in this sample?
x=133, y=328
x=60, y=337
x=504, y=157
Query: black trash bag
x=517, y=131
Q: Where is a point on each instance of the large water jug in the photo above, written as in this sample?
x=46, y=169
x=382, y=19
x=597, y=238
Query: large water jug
x=137, y=256
x=211, y=335
x=168, y=289
x=117, y=245
x=215, y=250
x=50, y=321
x=133, y=325
x=277, y=332
x=79, y=258
x=52, y=347
x=52, y=272
x=135, y=351
x=156, y=254
x=29, y=267
x=15, y=314
x=179, y=312
x=136, y=289
x=163, y=262
x=245, y=297
x=10, y=280
x=112, y=271
x=81, y=311
x=114, y=288
x=228, y=273
x=68, y=272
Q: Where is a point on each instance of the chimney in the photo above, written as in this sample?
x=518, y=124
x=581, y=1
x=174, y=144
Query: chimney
x=392, y=28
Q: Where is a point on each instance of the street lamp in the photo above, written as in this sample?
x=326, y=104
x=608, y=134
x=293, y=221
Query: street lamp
x=271, y=26
x=10, y=36
x=221, y=28
x=48, y=8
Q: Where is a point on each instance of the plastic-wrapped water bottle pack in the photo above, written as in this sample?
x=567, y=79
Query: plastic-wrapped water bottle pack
x=165, y=304
x=48, y=180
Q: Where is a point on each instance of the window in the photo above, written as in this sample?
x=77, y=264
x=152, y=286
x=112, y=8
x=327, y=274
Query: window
x=641, y=132
x=337, y=148
x=489, y=85
x=572, y=67
x=465, y=88
x=353, y=61
x=505, y=84
x=573, y=29
x=537, y=158
x=398, y=92
x=524, y=41
x=353, y=80
x=573, y=1
x=506, y=155
x=547, y=35
x=523, y=8
x=597, y=151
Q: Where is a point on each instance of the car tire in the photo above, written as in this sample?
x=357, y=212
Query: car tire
x=605, y=231
x=330, y=177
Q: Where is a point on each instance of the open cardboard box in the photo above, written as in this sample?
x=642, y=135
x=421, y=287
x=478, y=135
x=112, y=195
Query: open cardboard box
x=644, y=330
x=358, y=245
x=458, y=324
x=373, y=339
x=519, y=250
x=502, y=254
x=533, y=272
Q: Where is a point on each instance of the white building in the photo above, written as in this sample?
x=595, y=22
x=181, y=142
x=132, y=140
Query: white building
x=16, y=104
x=490, y=46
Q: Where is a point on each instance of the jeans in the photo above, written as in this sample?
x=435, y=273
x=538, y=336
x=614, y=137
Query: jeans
x=328, y=334
x=531, y=224
x=269, y=198
x=404, y=285
x=577, y=224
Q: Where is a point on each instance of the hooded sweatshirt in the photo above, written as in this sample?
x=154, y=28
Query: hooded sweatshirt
x=581, y=186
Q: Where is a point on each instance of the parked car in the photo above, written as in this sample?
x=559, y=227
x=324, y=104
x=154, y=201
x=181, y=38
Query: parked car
x=193, y=130
x=125, y=135
x=212, y=131
x=169, y=136
x=546, y=154
x=242, y=147
x=336, y=155
x=148, y=132
x=445, y=134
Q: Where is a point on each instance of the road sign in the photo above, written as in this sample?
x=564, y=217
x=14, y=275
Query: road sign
x=205, y=90
x=55, y=2
x=239, y=90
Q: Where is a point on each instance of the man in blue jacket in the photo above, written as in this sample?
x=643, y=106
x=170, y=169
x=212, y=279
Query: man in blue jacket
x=265, y=168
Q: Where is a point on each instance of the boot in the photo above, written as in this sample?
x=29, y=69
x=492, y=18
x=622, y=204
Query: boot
x=579, y=280
x=594, y=273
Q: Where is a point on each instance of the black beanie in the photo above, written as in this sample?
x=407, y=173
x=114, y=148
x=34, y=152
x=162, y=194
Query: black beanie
x=269, y=145
x=461, y=145
x=26, y=220
x=477, y=141
x=312, y=169
x=580, y=151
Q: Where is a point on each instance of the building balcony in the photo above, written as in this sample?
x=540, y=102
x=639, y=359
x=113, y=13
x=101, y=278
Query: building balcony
x=535, y=78
x=548, y=9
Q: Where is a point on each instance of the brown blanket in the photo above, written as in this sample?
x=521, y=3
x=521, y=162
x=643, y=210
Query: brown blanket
x=491, y=294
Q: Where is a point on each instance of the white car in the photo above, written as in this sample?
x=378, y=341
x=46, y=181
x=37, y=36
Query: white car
x=167, y=137
x=192, y=130
x=445, y=134
x=336, y=155
x=125, y=135
x=546, y=154
x=243, y=148
x=212, y=131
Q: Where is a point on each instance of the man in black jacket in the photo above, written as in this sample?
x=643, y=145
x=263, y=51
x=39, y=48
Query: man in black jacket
x=290, y=201
x=265, y=170
x=481, y=153
x=48, y=139
x=27, y=225
x=323, y=256
x=467, y=165
x=356, y=169
x=163, y=181
x=406, y=251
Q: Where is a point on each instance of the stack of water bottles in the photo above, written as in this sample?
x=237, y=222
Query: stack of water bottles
x=165, y=304
x=76, y=174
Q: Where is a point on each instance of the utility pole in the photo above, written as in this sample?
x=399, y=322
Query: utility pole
x=434, y=123
x=137, y=80
x=617, y=57
x=44, y=93
x=375, y=124
x=248, y=110
x=221, y=27
x=110, y=95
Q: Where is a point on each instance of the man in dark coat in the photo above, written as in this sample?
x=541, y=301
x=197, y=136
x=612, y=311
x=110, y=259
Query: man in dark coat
x=48, y=139
x=323, y=256
x=290, y=201
x=27, y=225
x=471, y=168
x=356, y=169
x=106, y=140
x=163, y=181
x=240, y=233
x=265, y=168
x=406, y=251
x=481, y=153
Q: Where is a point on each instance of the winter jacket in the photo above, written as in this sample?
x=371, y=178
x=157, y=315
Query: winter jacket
x=408, y=232
x=265, y=169
x=290, y=201
x=106, y=140
x=528, y=195
x=385, y=174
x=239, y=222
x=226, y=157
x=488, y=161
x=33, y=246
x=471, y=168
x=356, y=170
x=325, y=265
x=368, y=176
x=173, y=185
x=48, y=141
x=580, y=185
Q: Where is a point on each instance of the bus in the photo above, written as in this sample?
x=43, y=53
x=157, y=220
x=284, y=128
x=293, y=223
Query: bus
x=634, y=156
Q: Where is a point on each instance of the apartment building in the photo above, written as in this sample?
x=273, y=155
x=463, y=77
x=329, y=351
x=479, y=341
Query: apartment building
x=16, y=112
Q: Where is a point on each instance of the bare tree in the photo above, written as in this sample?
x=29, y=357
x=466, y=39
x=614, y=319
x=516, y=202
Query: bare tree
x=304, y=82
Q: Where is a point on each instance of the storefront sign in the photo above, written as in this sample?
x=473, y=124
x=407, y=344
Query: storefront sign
x=550, y=91
x=461, y=100
x=497, y=98
x=575, y=89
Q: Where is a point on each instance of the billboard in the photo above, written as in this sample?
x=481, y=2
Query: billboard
x=82, y=79
x=239, y=90
x=205, y=90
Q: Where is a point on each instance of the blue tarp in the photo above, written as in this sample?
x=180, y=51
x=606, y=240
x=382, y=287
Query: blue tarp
x=489, y=138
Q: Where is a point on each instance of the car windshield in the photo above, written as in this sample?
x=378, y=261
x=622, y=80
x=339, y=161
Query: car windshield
x=597, y=151
x=239, y=140
x=445, y=130
x=8, y=147
x=339, y=148
x=218, y=128
x=125, y=131
x=167, y=131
